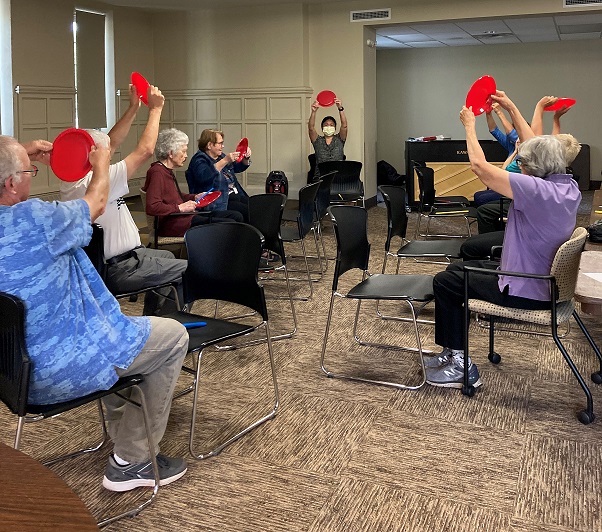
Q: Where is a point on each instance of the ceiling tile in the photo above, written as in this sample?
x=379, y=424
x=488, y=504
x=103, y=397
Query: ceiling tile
x=479, y=27
x=579, y=36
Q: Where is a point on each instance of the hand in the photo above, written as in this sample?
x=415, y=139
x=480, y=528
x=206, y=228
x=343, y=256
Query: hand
x=134, y=98
x=187, y=206
x=546, y=101
x=248, y=154
x=501, y=98
x=315, y=106
x=561, y=111
x=467, y=117
x=232, y=157
x=100, y=157
x=156, y=100
x=39, y=150
x=338, y=103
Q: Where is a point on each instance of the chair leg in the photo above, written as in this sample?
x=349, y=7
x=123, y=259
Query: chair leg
x=216, y=450
x=493, y=357
x=596, y=376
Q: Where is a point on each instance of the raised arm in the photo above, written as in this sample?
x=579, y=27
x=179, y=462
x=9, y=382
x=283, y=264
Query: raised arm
x=146, y=145
x=508, y=127
x=343, y=130
x=493, y=177
x=557, y=115
x=97, y=192
x=311, y=123
x=38, y=151
x=491, y=125
x=520, y=124
x=121, y=129
x=537, y=120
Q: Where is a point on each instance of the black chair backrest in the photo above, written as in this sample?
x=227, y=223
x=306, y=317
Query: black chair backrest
x=307, y=207
x=223, y=260
x=426, y=183
x=14, y=361
x=311, y=173
x=397, y=217
x=348, y=175
x=95, y=250
x=351, y=231
x=323, y=195
x=265, y=214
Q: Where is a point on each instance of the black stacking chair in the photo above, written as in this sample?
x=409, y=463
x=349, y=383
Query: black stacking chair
x=347, y=186
x=15, y=369
x=223, y=261
x=95, y=252
x=353, y=252
x=265, y=214
x=431, y=206
x=304, y=225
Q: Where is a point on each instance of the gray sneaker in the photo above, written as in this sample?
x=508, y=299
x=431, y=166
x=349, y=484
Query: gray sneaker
x=452, y=375
x=128, y=477
x=438, y=360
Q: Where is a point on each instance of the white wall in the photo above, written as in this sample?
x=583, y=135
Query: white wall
x=420, y=92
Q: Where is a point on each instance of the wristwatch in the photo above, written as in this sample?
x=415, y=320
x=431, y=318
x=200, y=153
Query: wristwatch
x=341, y=109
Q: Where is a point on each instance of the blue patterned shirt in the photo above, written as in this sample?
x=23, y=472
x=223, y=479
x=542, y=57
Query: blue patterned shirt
x=75, y=332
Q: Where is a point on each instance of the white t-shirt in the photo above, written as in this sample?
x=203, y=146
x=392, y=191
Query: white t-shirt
x=120, y=230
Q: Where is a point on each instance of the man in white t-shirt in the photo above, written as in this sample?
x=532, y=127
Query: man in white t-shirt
x=131, y=266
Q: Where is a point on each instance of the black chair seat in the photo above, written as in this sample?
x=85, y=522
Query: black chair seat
x=215, y=331
x=345, y=196
x=458, y=200
x=431, y=248
x=289, y=233
x=50, y=410
x=394, y=287
x=454, y=210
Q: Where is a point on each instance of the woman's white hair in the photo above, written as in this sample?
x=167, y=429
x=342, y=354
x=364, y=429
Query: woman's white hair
x=10, y=163
x=169, y=141
x=100, y=139
x=542, y=156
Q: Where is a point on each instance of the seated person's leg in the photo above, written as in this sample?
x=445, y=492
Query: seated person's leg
x=478, y=247
x=227, y=216
x=485, y=196
x=488, y=216
x=240, y=204
x=160, y=361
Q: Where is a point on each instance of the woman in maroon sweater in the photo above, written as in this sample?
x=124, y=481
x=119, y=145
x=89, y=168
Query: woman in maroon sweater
x=163, y=194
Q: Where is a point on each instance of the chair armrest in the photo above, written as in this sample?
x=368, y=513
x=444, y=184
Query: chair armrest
x=496, y=252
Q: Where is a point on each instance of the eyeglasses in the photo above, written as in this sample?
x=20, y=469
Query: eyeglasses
x=219, y=143
x=33, y=172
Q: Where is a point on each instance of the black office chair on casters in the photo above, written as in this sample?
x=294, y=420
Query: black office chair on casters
x=15, y=369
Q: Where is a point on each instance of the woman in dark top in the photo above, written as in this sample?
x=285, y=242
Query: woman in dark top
x=330, y=146
x=163, y=195
x=211, y=168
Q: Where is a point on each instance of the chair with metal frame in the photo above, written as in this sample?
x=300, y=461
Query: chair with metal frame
x=15, y=369
x=223, y=261
x=304, y=225
x=347, y=186
x=95, y=252
x=152, y=222
x=353, y=252
x=563, y=280
x=431, y=206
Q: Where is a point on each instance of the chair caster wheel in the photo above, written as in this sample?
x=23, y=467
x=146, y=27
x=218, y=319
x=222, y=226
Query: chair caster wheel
x=468, y=390
x=597, y=377
x=133, y=298
x=494, y=358
x=586, y=418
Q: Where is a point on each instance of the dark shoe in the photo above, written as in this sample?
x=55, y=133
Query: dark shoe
x=451, y=375
x=128, y=477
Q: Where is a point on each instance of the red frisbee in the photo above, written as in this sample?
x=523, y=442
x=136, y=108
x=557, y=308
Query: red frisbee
x=560, y=103
x=479, y=95
x=69, y=157
x=326, y=98
x=242, y=148
x=208, y=198
x=139, y=81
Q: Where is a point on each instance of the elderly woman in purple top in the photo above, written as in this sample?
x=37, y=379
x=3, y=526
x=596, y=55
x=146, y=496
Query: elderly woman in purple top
x=542, y=216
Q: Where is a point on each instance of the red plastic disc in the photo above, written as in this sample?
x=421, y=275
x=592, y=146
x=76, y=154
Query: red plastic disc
x=326, y=98
x=479, y=95
x=69, y=158
x=139, y=81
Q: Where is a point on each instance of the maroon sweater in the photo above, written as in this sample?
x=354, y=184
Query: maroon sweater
x=163, y=197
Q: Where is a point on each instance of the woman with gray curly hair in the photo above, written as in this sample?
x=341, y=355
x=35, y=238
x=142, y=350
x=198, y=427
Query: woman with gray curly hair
x=163, y=194
x=541, y=218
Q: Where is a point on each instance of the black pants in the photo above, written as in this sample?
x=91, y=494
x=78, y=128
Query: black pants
x=488, y=216
x=239, y=203
x=216, y=217
x=448, y=287
x=478, y=247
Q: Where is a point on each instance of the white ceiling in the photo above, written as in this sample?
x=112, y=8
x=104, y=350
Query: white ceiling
x=492, y=31
x=561, y=27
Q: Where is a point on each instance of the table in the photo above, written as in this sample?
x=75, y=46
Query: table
x=596, y=203
x=589, y=290
x=34, y=498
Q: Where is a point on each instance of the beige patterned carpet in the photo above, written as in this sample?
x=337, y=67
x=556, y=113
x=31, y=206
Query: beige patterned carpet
x=345, y=456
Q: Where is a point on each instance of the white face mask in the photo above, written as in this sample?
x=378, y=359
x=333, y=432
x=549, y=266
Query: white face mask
x=328, y=130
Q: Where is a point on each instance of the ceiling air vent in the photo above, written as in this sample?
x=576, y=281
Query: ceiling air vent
x=372, y=14
x=573, y=3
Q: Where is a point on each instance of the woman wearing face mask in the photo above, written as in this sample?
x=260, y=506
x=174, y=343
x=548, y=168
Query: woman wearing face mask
x=328, y=147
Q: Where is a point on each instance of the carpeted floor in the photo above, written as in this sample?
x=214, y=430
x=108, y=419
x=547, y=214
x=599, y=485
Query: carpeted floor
x=346, y=456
